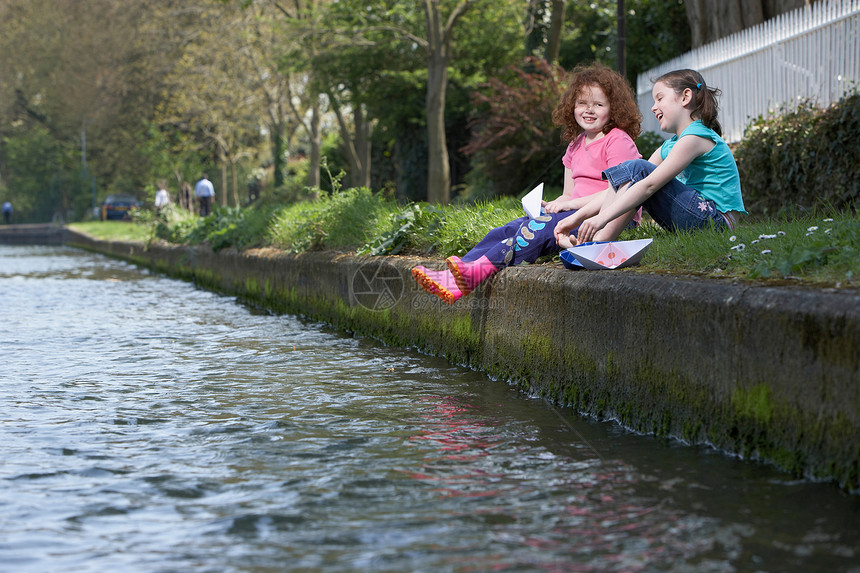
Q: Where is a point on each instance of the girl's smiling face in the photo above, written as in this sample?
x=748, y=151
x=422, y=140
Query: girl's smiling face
x=669, y=108
x=592, y=111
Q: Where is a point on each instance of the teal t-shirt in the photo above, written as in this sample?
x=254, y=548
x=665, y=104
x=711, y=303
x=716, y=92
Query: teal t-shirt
x=713, y=174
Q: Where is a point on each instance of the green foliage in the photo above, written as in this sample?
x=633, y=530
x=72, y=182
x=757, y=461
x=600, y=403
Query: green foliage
x=340, y=221
x=42, y=176
x=833, y=243
x=802, y=159
x=589, y=33
x=647, y=143
x=405, y=227
x=513, y=138
x=820, y=248
x=175, y=224
x=230, y=227
x=657, y=31
x=465, y=227
x=167, y=154
x=653, y=34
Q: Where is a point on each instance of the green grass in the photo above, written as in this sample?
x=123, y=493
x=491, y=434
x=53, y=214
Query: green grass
x=816, y=249
x=113, y=230
x=819, y=249
x=342, y=221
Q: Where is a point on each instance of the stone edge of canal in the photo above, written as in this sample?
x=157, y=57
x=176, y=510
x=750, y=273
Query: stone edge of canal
x=765, y=373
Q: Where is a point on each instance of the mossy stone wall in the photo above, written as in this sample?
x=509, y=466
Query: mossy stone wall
x=761, y=372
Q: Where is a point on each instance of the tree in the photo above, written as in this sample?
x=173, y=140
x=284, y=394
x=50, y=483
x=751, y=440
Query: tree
x=710, y=21
x=396, y=22
x=514, y=140
x=72, y=81
x=264, y=54
x=438, y=46
x=300, y=36
x=652, y=34
x=206, y=92
x=556, y=24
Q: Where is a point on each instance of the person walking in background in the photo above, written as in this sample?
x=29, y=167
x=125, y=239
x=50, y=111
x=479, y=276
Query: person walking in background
x=205, y=193
x=7, y=212
x=162, y=197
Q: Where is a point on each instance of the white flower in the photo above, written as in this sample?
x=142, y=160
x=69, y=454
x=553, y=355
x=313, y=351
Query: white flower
x=828, y=220
x=781, y=233
x=739, y=247
x=754, y=241
x=811, y=229
x=766, y=252
x=827, y=231
x=767, y=236
x=733, y=238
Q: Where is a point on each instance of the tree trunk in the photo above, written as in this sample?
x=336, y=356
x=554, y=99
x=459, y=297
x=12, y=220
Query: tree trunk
x=362, y=146
x=277, y=145
x=236, y=200
x=621, y=61
x=223, y=190
x=356, y=142
x=556, y=25
x=438, y=169
x=316, y=144
x=709, y=21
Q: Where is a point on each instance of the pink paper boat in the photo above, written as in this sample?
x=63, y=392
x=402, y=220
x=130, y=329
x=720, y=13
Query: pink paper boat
x=612, y=255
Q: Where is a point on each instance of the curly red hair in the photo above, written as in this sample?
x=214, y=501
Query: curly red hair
x=623, y=109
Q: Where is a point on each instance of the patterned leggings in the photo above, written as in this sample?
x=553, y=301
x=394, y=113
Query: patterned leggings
x=522, y=240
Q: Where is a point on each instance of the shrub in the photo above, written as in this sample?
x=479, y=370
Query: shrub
x=802, y=159
x=648, y=142
x=513, y=140
x=339, y=221
x=231, y=227
x=174, y=224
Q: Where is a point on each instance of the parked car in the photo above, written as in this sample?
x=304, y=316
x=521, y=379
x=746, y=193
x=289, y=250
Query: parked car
x=119, y=207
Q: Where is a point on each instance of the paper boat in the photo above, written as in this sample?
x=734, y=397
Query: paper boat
x=532, y=202
x=611, y=255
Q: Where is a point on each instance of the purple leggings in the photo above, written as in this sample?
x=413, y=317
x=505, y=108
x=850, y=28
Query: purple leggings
x=522, y=240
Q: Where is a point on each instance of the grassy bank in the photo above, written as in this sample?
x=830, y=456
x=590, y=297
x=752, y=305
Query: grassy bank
x=114, y=230
x=820, y=248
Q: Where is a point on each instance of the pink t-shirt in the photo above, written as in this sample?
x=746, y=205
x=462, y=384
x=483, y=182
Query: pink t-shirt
x=587, y=161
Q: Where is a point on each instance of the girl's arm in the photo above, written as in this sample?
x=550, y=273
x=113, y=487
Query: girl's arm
x=564, y=227
x=571, y=204
x=682, y=154
x=656, y=158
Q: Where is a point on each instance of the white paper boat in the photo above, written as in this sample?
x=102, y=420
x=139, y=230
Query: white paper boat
x=532, y=202
x=611, y=255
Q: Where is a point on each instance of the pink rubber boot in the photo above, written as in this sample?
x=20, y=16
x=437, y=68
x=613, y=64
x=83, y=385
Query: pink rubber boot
x=440, y=283
x=470, y=275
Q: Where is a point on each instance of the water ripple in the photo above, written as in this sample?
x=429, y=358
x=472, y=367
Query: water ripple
x=151, y=426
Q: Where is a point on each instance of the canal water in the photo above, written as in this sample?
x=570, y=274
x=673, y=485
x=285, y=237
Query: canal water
x=147, y=425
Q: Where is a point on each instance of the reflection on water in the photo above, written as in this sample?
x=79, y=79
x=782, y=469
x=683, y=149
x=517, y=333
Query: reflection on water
x=150, y=426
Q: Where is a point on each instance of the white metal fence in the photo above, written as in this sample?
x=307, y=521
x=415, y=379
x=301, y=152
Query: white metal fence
x=810, y=53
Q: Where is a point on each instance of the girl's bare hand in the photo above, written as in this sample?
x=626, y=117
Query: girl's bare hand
x=588, y=229
x=556, y=205
x=564, y=227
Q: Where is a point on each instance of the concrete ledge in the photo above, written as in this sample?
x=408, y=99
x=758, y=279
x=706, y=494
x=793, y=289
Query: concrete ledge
x=761, y=372
x=32, y=234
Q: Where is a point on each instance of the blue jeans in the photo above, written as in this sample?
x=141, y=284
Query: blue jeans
x=674, y=206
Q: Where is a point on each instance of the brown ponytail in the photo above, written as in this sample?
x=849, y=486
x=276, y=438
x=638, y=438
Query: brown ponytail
x=705, y=106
